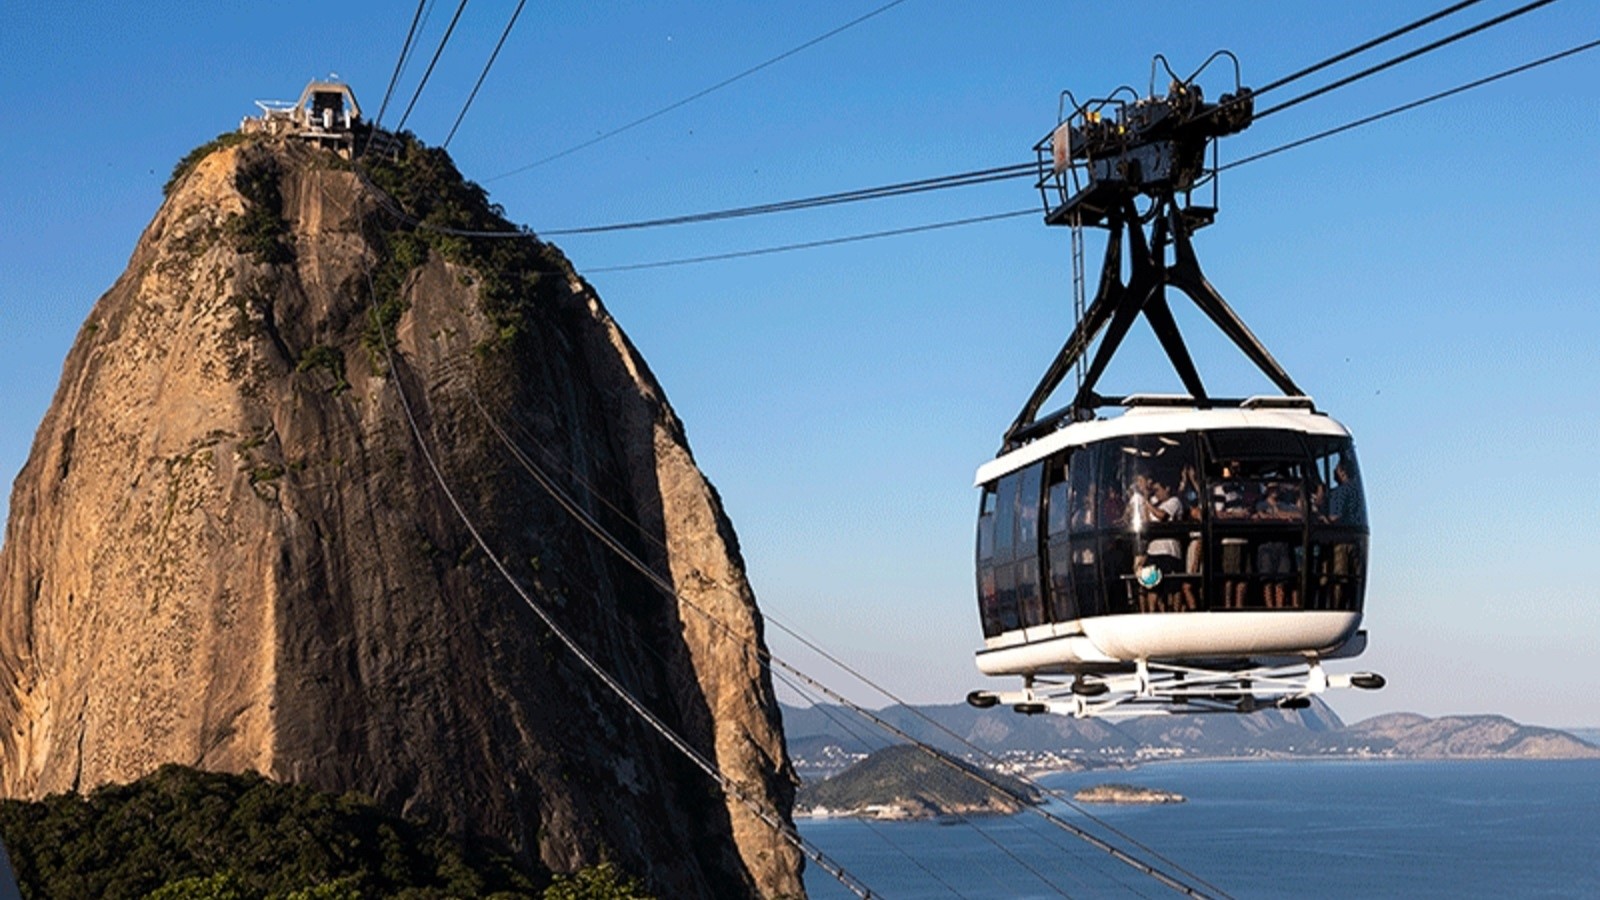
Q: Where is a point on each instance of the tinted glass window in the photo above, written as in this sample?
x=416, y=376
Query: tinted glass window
x=1259, y=488
x=1005, y=605
x=988, y=601
x=1336, y=483
x=1086, y=586
x=1149, y=476
x=1030, y=609
x=1056, y=510
x=1338, y=564
x=986, y=524
x=1062, y=607
x=1256, y=443
x=1005, y=517
x=1082, y=494
x=1028, y=499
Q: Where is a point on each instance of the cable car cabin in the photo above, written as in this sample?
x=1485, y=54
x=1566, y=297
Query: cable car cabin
x=1179, y=535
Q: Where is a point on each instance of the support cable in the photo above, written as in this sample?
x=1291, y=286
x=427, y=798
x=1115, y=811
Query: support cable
x=1348, y=126
x=826, y=242
x=1406, y=107
x=698, y=94
x=1364, y=47
x=485, y=73
x=938, y=183
x=431, y=63
x=832, y=716
x=999, y=173
x=405, y=51
x=1405, y=57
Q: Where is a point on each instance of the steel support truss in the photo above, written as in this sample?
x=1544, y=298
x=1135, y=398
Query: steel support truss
x=1117, y=303
x=1154, y=689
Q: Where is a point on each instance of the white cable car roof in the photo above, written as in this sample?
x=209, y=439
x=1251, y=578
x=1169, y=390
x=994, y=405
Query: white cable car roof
x=1254, y=413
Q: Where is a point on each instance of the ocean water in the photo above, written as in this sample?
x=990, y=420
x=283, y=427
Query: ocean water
x=1494, y=828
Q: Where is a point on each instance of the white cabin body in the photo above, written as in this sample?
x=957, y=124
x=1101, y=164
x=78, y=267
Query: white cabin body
x=1173, y=534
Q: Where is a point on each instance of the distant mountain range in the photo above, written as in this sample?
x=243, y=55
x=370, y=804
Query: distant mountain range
x=826, y=739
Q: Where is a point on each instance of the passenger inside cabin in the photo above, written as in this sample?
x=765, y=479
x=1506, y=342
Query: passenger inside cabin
x=1189, y=492
x=1345, y=504
x=1228, y=493
x=1274, y=559
x=1165, y=553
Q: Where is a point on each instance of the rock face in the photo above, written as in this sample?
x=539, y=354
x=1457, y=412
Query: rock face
x=228, y=550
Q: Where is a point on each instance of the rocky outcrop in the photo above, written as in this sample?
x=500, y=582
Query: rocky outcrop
x=228, y=550
x=907, y=782
x=1126, y=794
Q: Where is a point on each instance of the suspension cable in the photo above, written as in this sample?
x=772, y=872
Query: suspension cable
x=975, y=177
x=698, y=94
x=1406, y=107
x=1365, y=120
x=1404, y=57
x=1364, y=47
x=431, y=63
x=405, y=51
x=485, y=73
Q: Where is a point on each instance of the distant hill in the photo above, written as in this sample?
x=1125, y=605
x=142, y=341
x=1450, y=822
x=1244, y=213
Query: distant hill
x=823, y=739
x=904, y=782
x=1451, y=737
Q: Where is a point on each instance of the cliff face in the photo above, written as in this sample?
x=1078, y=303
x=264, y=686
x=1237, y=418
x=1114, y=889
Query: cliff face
x=226, y=549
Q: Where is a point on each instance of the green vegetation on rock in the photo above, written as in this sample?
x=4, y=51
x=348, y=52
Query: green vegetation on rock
x=513, y=275
x=181, y=834
x=260, y=229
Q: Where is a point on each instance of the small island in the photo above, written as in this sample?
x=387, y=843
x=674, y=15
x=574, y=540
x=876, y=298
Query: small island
x=906, y=782
x=1126, y=793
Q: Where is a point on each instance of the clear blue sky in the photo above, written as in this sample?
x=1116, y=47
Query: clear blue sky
x=1429, y=279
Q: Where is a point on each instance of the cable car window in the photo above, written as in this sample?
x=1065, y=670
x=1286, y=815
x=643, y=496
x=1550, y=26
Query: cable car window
x=1081, y=494
x=1062, y=607
x=1255, y=443
x=988, y=601
x=1005, y=518
x=1056, y=510
x=1257, y=489
x=1005, y=601
x=1030, y=608
x=1155, y=570
x=1337, y=571
x=1087, y=590
x=986, y=524
x=1334, y=464
x=1028, y=498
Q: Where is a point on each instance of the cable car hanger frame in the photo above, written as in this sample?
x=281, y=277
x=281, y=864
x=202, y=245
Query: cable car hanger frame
x=1093, y=168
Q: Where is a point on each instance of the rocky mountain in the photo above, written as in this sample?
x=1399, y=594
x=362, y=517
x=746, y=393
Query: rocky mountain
x=1412, y=736
x=229, y=550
